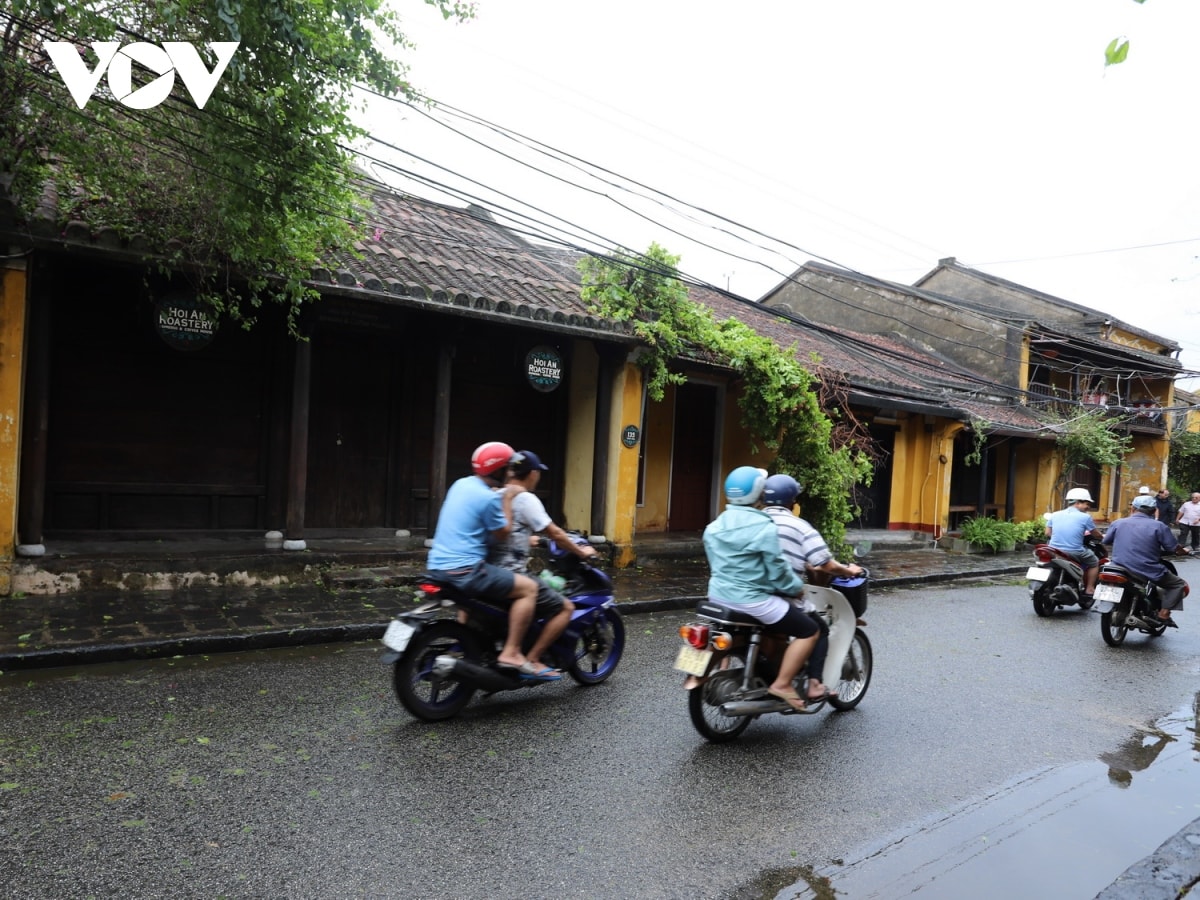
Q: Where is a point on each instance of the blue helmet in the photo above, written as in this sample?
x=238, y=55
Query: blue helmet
x=781, y=490
x=1144, y=502
x=744, y=485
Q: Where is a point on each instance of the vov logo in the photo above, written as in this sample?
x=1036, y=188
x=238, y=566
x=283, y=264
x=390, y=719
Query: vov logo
x=171, y=59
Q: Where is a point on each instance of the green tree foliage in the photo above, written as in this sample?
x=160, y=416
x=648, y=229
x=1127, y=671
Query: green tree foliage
x=1089, y=439
x=246, y=194
x=1183, y=466
x=781, y=407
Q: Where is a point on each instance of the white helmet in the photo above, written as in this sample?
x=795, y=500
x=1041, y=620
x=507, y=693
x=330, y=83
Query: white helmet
x=1074, y=495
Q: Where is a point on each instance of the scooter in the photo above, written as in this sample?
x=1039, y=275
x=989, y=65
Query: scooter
x=1056, y=578
x=1126, y=602
x=728, y=668
x=441, y=661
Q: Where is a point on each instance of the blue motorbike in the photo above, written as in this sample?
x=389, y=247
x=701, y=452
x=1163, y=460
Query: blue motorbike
x=442, y=658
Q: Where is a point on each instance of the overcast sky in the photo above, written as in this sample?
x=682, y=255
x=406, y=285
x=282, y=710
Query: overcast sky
x=875, y=134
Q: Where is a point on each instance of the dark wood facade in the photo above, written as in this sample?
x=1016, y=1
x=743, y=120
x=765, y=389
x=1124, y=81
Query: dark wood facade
x=143, y=438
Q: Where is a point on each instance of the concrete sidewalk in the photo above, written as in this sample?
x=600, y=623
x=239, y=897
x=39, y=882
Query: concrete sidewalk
x=353, y=601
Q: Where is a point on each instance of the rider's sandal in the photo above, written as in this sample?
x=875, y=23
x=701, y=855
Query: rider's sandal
x=792, y=699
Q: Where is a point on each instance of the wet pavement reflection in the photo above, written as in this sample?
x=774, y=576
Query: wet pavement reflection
x=1064, y=832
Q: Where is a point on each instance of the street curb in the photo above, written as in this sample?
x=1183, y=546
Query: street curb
x=329, y=634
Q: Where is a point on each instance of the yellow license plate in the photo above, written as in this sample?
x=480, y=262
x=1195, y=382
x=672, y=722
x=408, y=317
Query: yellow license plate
x=692, y=661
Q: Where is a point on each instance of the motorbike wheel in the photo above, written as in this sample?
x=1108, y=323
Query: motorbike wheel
x=856, y=674
x=1043, y=605
x=598, y=649
x=428, y=696
x=704, y=703
x=1114, y=635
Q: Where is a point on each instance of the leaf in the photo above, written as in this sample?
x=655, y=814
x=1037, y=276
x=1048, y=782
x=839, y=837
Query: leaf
x=1116, y=52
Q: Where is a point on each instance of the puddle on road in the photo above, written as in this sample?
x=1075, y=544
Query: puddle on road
x=1068, y=831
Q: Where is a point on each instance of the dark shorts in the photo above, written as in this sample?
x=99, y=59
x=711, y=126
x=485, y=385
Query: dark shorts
x=549, y=601
x=796, y=623
x=485, y=581
x=1084, y=556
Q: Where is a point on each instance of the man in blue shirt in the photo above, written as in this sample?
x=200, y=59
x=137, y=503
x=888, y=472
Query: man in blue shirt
x=1068, y=527
x=474, y=513
x=1138, y=543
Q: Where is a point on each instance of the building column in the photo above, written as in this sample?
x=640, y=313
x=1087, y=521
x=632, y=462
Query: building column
x=13, y=309
x=298, y=448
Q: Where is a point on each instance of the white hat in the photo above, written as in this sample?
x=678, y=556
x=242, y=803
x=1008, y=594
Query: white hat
x=1143, y=490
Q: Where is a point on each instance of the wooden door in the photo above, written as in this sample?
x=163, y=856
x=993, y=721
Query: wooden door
x=692, y=458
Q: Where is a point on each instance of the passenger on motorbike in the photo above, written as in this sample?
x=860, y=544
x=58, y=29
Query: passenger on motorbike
x=810, y=557
x=473, y=513
x=1138, y=543
x=1067, y=529
x=529, y=518
x=749, y=571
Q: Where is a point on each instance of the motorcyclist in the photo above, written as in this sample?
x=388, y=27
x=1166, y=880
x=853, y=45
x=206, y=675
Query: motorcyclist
x=529, y=519
x=1067, y=530
x=810, y=558
x=749, y=571
x=473, y=513
x=1138, y=543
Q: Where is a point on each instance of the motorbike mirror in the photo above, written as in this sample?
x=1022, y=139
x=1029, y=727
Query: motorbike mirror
x=862, y=548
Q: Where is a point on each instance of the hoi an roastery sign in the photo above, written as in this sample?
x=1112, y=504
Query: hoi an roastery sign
x=183, y=323
x=543, y=368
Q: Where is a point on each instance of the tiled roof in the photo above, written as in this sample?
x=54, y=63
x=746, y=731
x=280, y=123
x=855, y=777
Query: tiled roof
x=432, y=254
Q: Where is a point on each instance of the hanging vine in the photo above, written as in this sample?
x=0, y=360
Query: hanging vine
x=826, y=450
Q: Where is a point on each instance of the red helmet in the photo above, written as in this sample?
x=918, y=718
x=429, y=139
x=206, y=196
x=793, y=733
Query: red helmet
x=491, y=457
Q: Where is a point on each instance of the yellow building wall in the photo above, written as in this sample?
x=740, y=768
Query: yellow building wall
x=581, y=436
x=623, y=465
x=921, y=460
x=657, y=435
x=12, y=346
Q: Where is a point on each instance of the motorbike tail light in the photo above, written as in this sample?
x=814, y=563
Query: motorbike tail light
x=430, y=589
x=1043, y=553
x=695, y=635
x=1113, y=578
x=721, y=640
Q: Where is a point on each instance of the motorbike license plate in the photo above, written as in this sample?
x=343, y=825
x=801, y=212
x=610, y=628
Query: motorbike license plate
x=1036, y=573
x=1107, y=593
x=692, y=661
x=397, y=635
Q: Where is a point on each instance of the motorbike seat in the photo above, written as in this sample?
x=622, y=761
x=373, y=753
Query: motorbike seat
x=1116, y=569
x=726, y=613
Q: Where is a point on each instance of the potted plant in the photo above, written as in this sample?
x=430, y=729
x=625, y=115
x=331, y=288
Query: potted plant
x=985, y=534
x=1032, y=531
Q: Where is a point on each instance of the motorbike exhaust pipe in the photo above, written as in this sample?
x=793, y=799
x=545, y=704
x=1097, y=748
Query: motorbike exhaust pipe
x=473, y=674
x=753, y=707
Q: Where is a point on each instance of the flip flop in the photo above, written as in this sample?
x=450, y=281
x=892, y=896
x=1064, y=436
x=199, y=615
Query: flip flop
x=533, y=672
x=791, y=698
x=821, y=697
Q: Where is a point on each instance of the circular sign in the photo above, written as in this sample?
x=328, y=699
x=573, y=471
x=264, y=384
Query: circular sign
x=543, y=368
x=630, y=435
x=182, y=322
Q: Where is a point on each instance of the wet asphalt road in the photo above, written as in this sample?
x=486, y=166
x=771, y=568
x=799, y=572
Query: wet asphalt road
x=296, y=774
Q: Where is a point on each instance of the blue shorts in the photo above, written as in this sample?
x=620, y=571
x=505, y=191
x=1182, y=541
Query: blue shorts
x=483, y=580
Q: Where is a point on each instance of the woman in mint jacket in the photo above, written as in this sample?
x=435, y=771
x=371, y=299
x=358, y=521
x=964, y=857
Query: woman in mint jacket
x=749, y=571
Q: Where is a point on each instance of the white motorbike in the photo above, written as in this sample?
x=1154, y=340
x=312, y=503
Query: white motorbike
x=729, y=670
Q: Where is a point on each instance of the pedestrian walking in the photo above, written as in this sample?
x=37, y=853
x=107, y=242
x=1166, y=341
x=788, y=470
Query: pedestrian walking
x=1164, y=508
x=1189, y=521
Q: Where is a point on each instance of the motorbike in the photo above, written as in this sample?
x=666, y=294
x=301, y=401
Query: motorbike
x=1056, y=578
x=729, y=666
x=441, y=658
x=1126, y=602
